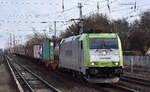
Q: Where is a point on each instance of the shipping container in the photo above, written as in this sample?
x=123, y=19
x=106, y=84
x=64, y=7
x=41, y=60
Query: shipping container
x=36, y=51
x=20, y=49
x=29, y=51
x=12, y=50
x=48, y=51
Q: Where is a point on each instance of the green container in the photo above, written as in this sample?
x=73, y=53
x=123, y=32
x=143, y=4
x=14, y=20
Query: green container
x=48, y=51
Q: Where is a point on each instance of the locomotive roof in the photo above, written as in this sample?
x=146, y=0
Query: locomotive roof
x=82, y=36
x=71, y=38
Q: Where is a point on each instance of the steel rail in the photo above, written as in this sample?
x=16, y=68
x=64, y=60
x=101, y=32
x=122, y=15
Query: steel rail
x=17, y=71
x=123, y=88
x=13, y=74
x=136, y=80
x=33, y=74
x=24, y=80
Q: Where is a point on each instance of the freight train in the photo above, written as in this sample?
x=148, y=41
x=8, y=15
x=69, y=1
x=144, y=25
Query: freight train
x=95, y=57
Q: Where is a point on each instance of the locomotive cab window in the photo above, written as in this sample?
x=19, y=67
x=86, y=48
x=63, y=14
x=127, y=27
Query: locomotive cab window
x=103, y=43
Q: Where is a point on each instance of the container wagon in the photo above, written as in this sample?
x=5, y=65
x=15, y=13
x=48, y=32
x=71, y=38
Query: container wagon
x=48, y=54
x=19, y=50
x=29, y=50
x=33, y=51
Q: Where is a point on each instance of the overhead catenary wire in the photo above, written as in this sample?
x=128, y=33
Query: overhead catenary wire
x=40, y=15
x=48, y=15
x=41, y=3
x=63, y=15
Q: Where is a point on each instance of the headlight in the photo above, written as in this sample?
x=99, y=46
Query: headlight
x=92, y=64
x=116, y=63
x=104, y=53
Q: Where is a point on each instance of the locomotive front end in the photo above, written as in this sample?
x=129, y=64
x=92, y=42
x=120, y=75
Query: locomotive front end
x=103, y=58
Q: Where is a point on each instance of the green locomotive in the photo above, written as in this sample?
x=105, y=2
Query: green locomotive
x=96, y=57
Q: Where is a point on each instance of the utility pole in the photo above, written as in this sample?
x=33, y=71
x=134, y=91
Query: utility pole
x=14, y=40
x=81, y=18
x=45, y=36
x=108, y=6
x=55, y=29
x=20, y=39
x=63, y=5
x=10, y=40
x=97, y=7
x=55, y=33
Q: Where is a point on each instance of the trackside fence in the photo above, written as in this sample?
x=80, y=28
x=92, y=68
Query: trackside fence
x=139, y=61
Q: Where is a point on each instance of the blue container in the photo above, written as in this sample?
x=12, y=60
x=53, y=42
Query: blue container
x=41, y=51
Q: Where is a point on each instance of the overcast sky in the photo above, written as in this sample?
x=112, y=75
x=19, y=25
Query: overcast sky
x=19, y=17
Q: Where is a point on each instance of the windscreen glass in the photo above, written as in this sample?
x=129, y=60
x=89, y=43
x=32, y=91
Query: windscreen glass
x=103, y=43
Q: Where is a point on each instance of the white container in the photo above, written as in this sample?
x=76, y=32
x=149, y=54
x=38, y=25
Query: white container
x=36, y=49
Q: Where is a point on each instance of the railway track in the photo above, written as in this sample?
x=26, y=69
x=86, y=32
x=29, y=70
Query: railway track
x=27, y=81
x=122, y=88
x=106, y=88
x=113, y=88
x=136, y=80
